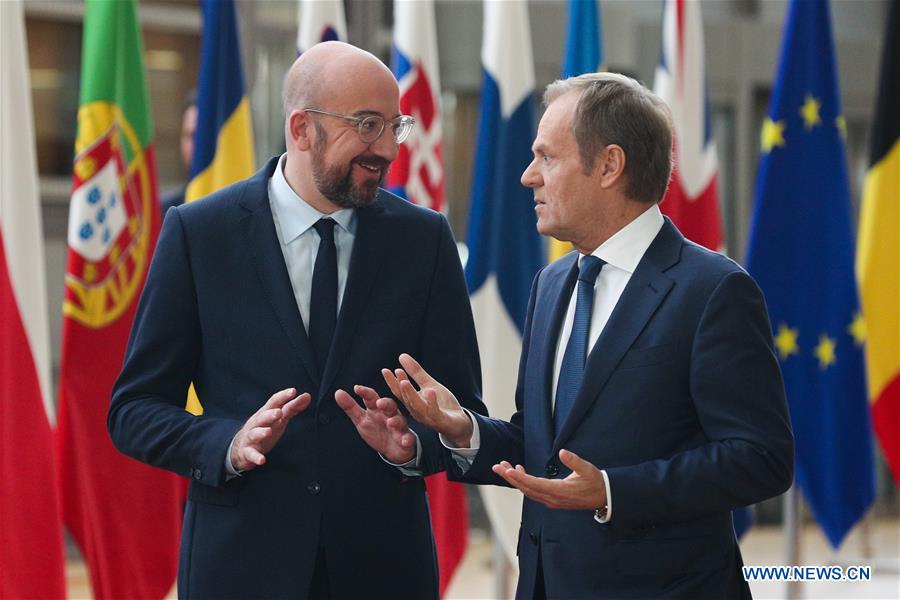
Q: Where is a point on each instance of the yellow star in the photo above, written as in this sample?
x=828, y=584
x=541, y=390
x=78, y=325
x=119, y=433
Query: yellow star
x=858, y=329
x=825, y=351
x=786, y=341
x=772, y=135
x=841, y=123
x=810, y=112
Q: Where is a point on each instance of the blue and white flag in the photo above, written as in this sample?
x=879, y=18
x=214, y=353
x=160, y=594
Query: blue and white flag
x=320, y=21
x=505, y=250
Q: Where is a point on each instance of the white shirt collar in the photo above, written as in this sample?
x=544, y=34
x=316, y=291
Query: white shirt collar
x=626, y=248
x=294, y=215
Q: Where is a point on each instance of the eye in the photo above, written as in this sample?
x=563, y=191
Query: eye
x=369, y=125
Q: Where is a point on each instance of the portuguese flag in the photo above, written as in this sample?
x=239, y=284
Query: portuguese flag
x=878, y=257
x=124, y=515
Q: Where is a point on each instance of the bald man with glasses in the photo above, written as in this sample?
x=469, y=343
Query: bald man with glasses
x=272, y=296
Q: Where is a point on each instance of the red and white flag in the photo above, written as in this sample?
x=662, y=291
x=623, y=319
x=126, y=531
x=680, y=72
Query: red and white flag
x=418, y=176
x=692, y=201
x=418, y=172
x=31, y=539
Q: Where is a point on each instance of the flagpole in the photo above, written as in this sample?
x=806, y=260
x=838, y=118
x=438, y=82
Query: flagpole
x=792, y=538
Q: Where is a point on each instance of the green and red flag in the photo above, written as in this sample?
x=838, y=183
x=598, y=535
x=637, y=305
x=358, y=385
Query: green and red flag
x=124, y=515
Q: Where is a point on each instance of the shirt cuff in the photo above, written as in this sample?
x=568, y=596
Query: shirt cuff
x=464, y=457
x=608, y=516
x=411, y=467
x=230, y=471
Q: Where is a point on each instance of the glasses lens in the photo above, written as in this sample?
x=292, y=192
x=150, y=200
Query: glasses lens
x=402, y=127
x=370, y=128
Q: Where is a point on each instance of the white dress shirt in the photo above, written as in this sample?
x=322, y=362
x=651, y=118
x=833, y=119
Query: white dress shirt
x=622, y=252
x=299, y=241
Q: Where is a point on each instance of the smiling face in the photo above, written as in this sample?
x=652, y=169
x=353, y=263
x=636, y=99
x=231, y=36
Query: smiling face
x=328, y=165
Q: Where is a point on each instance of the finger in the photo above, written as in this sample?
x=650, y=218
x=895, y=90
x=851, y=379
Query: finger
x=258, y=434
x=253, y=456
x=412, y=400
x=398, y=423
x=369, y=396
x=387, y=406
x=407, y=440
x=279, y=399
x=266, y=418
x=391, y=380
x=350, y=407
x=415, y=370
x=576, y=463
x=296, y=406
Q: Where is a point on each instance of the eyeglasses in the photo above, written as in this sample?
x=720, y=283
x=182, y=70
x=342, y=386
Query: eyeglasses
x=371, y=127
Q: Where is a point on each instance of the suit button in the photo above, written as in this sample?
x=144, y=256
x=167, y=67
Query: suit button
x=323, y=419
x=196, y=474
x=313, y=488
x=552, y=470
x=533, y=537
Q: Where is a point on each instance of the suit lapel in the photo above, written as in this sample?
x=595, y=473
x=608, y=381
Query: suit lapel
x=263, y=247
x=642, y=296
x=546, y=325
x=373, y=234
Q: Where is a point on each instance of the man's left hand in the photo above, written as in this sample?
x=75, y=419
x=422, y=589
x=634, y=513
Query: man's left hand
x=583, y=489
x=380, y=424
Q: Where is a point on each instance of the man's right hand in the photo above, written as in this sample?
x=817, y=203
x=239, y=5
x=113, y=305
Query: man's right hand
x=433, y=405
x=263, y=430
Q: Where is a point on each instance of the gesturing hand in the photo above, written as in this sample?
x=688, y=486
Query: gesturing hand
x=584, y=488
x=264, y=428
x=433, y=405
x=380, y=424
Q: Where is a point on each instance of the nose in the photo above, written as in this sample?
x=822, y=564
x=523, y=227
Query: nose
x=531, y=177
x=385, y=146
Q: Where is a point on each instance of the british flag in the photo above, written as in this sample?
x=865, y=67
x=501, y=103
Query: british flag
x=692, y=201
x=418, y=172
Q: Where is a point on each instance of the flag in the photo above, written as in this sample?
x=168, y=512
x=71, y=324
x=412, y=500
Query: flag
x=223, y=141
x=505, y=250
x=320, y=21
x=801, y=253
x=878, y=256
x=125, y=516
x=418, y=175
x=583, y=53
x=692, y=200
x=418, y=172
x=31, y=553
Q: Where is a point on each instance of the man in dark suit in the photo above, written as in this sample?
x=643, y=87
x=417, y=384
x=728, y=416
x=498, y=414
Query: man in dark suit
x=649, y=401
x=289, y=281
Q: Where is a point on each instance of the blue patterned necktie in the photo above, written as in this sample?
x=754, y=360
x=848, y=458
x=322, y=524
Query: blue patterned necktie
x=323, y=295
x=571, y=372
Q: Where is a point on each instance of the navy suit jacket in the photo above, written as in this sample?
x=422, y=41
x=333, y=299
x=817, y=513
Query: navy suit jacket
x=682, y=404
x=218, y=310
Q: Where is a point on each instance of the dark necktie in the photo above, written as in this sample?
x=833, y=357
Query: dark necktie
x=571, y=372
x=323, y=296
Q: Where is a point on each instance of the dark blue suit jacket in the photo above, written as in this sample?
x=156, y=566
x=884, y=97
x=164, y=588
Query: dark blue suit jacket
x=683, y=406
x=218, y=310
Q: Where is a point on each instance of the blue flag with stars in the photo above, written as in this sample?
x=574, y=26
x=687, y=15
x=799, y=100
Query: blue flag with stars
x=801, y=251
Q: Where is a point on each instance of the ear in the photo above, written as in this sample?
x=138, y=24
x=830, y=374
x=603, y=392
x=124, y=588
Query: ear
x=611, y=165
x=300, y=130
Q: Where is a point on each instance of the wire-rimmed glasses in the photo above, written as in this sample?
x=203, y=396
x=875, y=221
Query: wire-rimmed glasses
x=370, y=127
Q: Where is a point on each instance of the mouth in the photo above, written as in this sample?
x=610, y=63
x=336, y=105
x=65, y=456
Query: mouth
x=373, y=165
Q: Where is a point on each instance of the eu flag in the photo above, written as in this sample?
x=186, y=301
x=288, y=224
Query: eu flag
x=801, y=253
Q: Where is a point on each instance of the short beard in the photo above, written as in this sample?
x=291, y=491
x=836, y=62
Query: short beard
x=336, y=182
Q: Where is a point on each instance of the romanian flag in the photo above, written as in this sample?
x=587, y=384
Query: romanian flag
x=125, y=516
x=878, y=256
x=31, y=550
x=801, y=254
x=223, y=142
x=583, y=53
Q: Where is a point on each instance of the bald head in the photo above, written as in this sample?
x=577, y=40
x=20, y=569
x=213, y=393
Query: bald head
x=324, y=70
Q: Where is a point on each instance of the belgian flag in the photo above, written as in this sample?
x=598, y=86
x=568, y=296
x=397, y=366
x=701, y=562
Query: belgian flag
x=878, y=257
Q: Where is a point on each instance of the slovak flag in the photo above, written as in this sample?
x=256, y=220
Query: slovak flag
x=505, y=250
x=692, y=201
x=320, y=21
x=418, y=172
